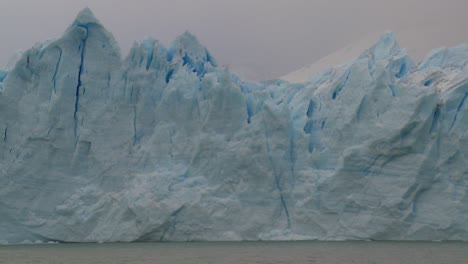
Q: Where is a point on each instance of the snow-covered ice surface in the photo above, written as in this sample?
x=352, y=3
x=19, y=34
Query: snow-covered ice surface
x=334, y=59
x=410, y=37
x=165, y=145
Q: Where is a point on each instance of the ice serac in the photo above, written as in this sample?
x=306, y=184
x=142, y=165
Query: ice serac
x=164, y=145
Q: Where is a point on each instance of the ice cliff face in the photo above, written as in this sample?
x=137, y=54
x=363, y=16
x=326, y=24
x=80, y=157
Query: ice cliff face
x=165, y=145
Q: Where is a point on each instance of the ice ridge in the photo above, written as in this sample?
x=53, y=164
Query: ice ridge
x=165, y=145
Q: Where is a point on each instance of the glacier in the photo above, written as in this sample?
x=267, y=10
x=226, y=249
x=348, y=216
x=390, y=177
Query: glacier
x=165, y=145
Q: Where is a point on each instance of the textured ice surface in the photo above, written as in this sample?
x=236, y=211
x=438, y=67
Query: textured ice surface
x=165, y=145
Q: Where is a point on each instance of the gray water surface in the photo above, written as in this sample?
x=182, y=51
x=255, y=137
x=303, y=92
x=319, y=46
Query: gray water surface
x=240, y=253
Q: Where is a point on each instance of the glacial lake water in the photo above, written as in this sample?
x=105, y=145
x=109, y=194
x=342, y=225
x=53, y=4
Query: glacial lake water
x=240, y=253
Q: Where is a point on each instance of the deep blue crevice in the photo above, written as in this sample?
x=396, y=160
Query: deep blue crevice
x=54, y=77
x=292, y=150
x=371, y=67
x=460, y=106
x=435, y=119
x=314, y=141
x=359, y=110
x=169, y=75
x=407, y=131
x=108, y=80
x=186, y=60
x=150, y=59
x=5, y=134
x=197, y=67
x=403, y=70
x=283, y=201
x=367, y=169
x=169, y=225
x=276, y=176
x=407, y=197
x=309, y=126
x=311, y=108
x=428, y=82
x=249, y=107
x=342, y=85
x=335, y=94
x=82, y=49
x=135, y=138
x=170, y=55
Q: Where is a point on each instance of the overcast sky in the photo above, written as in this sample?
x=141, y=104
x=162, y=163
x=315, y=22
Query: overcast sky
x=260, y=39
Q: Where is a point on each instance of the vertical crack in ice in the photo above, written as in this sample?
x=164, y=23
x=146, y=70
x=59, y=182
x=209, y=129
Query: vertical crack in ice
x=309, y=126
x=360, y=107
x=150, y=59
x=171, y=141
x=435, y=119
x=275, y=174
x=292, y=150
x=342, y=85
x=80, y=72
x=169, y=75
x=5, y=134
x=311, y=108
x=249, y=107
x=135, y=138
x=171, y=222
x=54, y=77
x=108, y=81
x=124, y=93
x=308, y=130
x=370, y=168
x=403, y=70
x=50, y=130
x=460, y=106
x=412, y=196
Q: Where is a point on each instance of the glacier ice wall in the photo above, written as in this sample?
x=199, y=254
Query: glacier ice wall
x=164, y=145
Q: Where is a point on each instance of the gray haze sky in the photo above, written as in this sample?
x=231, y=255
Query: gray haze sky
x=260, y=39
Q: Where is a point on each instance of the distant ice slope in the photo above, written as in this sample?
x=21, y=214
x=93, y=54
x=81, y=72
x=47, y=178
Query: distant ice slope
x=417, y=48
x=164, y=145
x=339, y=57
